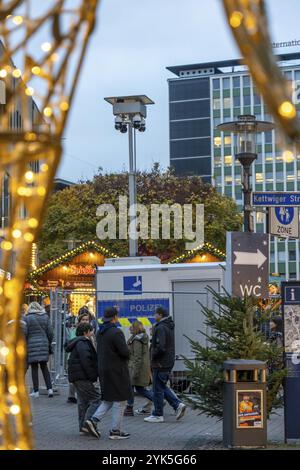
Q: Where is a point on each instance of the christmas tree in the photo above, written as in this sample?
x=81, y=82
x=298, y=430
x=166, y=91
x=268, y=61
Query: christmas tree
x=235, y=332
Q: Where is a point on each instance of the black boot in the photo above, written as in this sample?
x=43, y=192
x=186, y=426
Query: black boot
x=129, y=411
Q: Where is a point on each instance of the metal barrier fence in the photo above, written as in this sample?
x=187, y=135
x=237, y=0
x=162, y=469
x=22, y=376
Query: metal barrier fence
x=184, y=306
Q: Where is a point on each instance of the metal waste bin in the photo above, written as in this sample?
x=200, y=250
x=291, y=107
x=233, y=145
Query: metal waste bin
x=245, y=405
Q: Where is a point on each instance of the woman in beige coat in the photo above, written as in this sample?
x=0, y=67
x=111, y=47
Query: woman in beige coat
x=139, y=365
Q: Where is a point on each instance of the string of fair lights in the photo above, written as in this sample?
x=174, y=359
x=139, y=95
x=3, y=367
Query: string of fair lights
x=38, y=96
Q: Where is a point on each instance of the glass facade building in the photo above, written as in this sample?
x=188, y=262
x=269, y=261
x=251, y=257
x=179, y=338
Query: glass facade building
x=203, y=96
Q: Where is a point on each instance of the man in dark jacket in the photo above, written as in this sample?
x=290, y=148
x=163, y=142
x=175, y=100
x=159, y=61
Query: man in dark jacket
x=113, y=355
x=162, y=363
x=83, y=372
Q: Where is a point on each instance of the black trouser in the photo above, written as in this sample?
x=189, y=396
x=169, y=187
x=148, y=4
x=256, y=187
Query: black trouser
x=88, y=400
x=35, y=375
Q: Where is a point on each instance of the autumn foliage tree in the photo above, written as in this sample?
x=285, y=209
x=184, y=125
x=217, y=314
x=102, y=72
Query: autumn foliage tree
x=71, y=213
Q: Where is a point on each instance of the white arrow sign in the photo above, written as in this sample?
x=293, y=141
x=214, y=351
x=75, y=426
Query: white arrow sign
x=250, y=259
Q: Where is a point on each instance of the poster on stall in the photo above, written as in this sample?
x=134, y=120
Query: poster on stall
x=249, y=408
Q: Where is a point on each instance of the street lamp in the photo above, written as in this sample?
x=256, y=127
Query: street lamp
x=246, y=129
x=130, y=113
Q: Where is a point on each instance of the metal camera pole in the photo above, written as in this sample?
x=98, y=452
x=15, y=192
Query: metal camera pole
x=133, y=243
x=130, y=113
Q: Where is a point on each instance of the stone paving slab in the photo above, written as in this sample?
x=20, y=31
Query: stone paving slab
x=55, y=427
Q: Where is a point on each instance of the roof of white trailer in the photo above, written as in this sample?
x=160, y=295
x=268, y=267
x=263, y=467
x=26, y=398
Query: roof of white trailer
x=160, y=267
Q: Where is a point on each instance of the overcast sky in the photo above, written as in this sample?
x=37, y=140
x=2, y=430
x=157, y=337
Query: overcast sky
x=132, y=45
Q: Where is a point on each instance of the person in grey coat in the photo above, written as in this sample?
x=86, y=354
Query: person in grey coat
x=39, y=334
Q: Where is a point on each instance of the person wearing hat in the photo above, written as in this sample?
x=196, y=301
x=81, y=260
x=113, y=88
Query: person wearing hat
x=113, y=356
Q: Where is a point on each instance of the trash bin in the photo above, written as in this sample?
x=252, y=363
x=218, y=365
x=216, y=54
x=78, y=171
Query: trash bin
x=245, y=405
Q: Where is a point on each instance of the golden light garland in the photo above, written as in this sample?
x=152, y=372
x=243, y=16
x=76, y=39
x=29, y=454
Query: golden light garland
x=69, y=255
x=48, y=39
x=249, y=25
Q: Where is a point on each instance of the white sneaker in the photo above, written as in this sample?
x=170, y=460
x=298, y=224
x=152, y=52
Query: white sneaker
x=50, y=393
x=154, y=419
x=34, y=394
x=180, y=411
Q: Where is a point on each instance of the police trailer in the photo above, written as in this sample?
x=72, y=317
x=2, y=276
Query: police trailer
x=137, y=286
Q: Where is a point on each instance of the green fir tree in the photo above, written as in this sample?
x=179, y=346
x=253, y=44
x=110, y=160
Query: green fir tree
x=235, y=333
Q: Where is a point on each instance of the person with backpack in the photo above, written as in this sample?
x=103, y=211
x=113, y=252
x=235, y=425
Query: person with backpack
x=83, y=372
x=38, y=333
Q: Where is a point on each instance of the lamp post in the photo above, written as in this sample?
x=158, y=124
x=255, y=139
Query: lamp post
x=246, y=129
x=130, y=113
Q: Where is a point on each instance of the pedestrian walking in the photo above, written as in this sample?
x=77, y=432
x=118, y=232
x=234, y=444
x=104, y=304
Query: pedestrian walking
x=39, y=334
x=162, y=363
x=113, y=355
x=71, y=334
x=83, y=372
x=276, y=335
x=139, y=366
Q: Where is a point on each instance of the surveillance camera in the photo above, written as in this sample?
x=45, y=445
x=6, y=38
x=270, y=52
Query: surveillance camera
x=142, y=127
x=118, y=123
x=136, y=121
x=123, y=128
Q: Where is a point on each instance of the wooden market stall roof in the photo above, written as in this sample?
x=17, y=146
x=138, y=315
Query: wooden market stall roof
x=203, y=253
x=90, y=245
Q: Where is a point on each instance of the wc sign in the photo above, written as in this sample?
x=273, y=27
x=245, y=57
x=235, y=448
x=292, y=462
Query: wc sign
x=284, y=222
x=247, y=264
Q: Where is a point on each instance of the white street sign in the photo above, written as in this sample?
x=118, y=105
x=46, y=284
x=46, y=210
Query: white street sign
x=284, y=222
x=250, y=258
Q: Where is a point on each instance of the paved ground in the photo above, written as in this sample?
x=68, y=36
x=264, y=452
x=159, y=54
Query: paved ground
x=55, y=427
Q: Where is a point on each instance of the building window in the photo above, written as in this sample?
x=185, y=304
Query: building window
x=246, y=80
x=226, y=102
x=217, y=121
x=259, y=177
x=259, y=217
x=228, y=159
x=227, y=140
x=226, y=83
x=216, y=84
x=228, y=179
x=188, y=129
x=217, y=141
x=216, y=103
x=297, y=74
x=236, y=101
x=190, y=148
x=247, y=100
x=268, y=137
x=236, y=82
x=288, y=74
x=256, y=100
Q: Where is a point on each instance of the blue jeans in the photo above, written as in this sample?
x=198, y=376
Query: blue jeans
x=143, y=391
x=161, y=391
x=117, y=413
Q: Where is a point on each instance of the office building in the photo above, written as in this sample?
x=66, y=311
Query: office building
x=204, y=95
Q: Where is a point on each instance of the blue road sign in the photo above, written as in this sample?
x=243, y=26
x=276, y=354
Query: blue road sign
x=133, y=308
x=285, y=215
x=291, y=294
x=280, y=199
x=132, y=285
x=291, y=317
